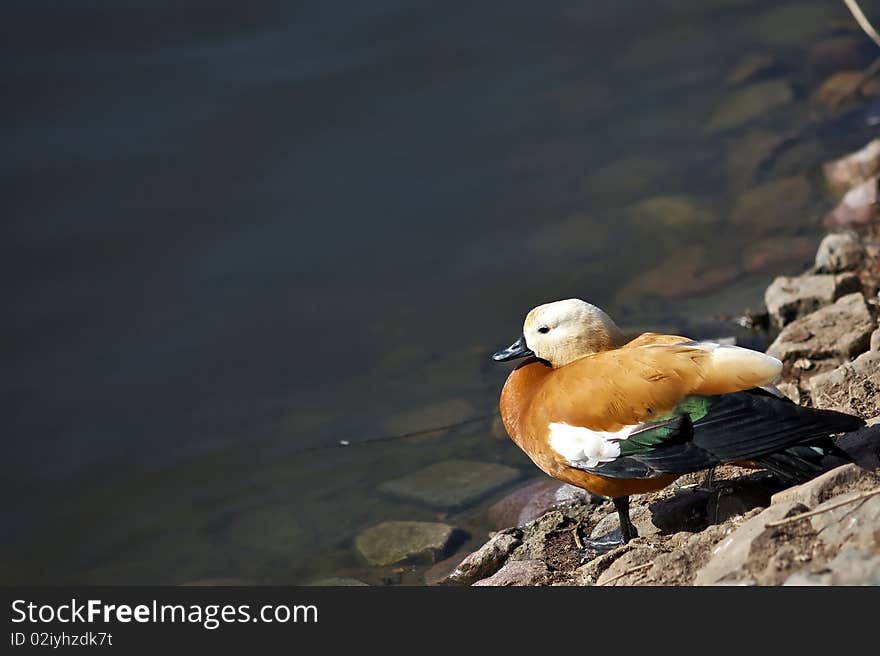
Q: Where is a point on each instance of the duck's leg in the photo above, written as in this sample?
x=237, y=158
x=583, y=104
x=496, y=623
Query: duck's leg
x=620, y=536
x=708, y=480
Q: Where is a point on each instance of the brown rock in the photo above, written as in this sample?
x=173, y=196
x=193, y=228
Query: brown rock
x=518, y=573
x=745, y=154
x=853, y=387
x=853, y=169
x=839, y=88
x=835, y=332
x=684, y=273
x=486, y=560
x=788, y=298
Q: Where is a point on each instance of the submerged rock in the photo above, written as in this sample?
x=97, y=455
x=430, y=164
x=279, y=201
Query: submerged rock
x=749, y=103
x=671, y=213
x=397, y=541
x=788, y=298
x=775, y=251
x=751, y=67
x=853, y=387
x=782, y=203
x=452, y=483
x=835, y=332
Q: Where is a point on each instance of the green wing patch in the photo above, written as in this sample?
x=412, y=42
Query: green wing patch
x=668, y=428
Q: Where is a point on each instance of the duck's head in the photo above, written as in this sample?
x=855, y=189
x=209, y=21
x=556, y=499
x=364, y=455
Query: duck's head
x=562, y=332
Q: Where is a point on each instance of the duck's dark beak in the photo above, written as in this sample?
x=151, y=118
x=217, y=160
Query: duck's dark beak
x=516, y=350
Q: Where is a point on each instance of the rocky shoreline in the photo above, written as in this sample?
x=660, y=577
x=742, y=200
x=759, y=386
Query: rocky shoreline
x=748, y=529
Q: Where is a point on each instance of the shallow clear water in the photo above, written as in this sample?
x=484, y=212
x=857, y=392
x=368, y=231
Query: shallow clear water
x=238, y=233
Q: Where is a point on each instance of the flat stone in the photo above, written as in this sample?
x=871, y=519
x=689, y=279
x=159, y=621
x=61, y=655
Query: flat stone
x=749, y=103
x=854, y=387
x=855, y=168
x=518, y=573
x=823, y=487
x=790, y=297
x=486, y=560
x=397, y=541
x=782, y=203
x=452, y=483
x=855, y=566
x=731, y=554
x=839, y=252
x=837, y=332
x=532, y=500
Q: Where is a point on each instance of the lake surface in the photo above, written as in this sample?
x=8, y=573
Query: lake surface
x=238, y=234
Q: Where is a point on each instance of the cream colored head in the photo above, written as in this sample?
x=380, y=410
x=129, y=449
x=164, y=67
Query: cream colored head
x=568, y=330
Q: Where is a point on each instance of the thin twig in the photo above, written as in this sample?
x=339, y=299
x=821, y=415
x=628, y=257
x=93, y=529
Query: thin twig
x=577, y=537
x=819, y=511
x=637, y=568
x=862, y=20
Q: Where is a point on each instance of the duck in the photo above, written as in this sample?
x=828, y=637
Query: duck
x=621, y=417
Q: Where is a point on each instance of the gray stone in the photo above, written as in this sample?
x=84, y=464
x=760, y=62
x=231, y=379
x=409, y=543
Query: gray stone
x=518, y=573
x=395, y=541
x=788, y=298
x=836, y=332
x=790, y=390
x=732, y=553
x=749, y=103
x=839, y=252
x=853, y=387
x=452, y=483
x=486, y=560
x=874, y=344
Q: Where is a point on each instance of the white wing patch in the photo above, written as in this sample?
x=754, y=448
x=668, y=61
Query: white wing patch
x=582, y=447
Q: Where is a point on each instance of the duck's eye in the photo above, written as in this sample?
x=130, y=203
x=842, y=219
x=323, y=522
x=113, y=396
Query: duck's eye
x=544, y=329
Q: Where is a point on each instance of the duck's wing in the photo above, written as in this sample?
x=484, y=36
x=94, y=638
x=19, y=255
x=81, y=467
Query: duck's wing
x=704, y=431
x=624, y=387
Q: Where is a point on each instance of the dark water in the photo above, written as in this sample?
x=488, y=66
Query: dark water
x=238, y=233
